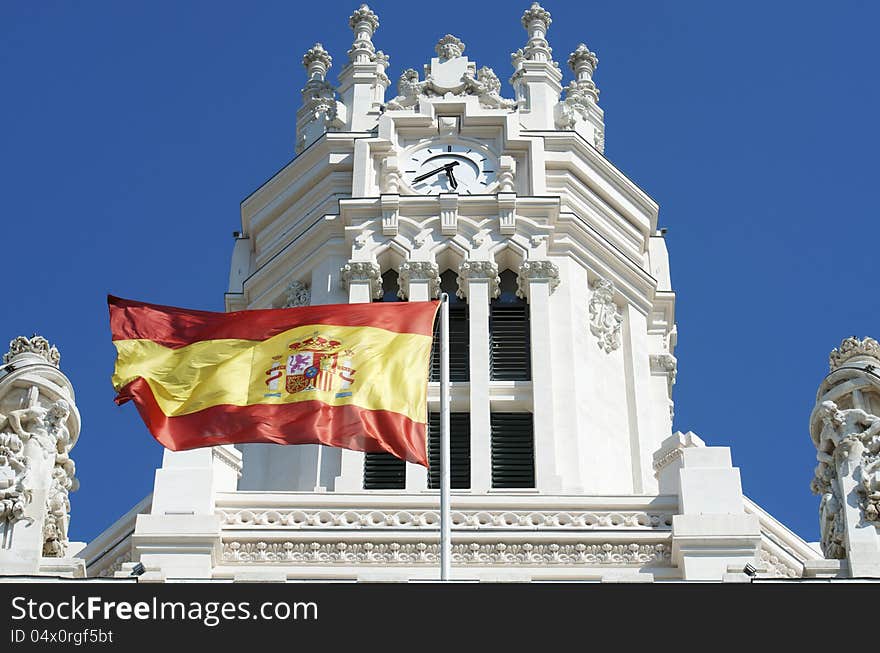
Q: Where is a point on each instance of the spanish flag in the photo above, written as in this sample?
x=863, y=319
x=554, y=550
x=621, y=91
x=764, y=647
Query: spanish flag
x=345, y=375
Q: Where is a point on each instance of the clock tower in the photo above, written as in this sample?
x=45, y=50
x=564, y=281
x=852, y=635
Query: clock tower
x=562, y=331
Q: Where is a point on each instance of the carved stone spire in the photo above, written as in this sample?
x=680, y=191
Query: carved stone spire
x=363, y=81
x=319, y=112
x=364, y=23
x=583, y=64
x=536, y=78
x=536, y=20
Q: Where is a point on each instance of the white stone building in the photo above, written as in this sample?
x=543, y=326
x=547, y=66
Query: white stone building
x=564, y=465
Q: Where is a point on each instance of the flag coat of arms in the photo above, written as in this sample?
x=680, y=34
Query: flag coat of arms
x=344, y=375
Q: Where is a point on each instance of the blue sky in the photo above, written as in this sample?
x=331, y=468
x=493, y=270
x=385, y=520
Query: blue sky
x=132, y=131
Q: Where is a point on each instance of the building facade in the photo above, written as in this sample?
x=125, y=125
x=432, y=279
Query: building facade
x=564, y=463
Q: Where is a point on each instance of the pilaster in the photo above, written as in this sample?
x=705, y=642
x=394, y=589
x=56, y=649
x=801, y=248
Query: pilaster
x=555, y=467
x=479, y=281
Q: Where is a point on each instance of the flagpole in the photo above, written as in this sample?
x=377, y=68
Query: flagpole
x=445, y=475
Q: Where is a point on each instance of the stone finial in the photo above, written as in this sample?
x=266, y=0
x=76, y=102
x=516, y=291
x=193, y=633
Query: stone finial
x=34, y=345
x=364, y=23
x=855, y=351
x=537, y=20
x=364, y=18
x=582, y=61
x=317, y=62
x=449, y=47
x=536, y=17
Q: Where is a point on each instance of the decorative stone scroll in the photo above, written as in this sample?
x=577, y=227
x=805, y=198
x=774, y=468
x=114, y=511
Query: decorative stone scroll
x=409, y=271
x=605, y=316
x=478, y=270
x=355, y=271
x=297, y=294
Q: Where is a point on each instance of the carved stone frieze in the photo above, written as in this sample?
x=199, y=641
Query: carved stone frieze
x=478, y=270
x=463, y=554
x=605, y=316
x=418, y=271
x=360, y=271
x=310, y=518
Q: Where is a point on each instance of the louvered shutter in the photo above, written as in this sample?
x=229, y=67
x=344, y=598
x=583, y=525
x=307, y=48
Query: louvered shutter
x=460, y=450
x=459, y=334
x=509, y=339
x=382, y=471
x=513, y=450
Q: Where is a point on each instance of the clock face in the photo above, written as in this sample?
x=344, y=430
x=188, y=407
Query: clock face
x=449, y=168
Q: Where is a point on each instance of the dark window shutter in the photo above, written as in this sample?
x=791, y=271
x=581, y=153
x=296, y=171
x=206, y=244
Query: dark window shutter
x=513, y=450
x=459, y=333
x=509, y=338
x=460, y=450
x=382, y=471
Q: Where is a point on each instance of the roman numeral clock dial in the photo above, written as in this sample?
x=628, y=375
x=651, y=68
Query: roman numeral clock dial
x=449, y=168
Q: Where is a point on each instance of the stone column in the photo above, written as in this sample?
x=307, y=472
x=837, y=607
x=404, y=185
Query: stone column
x=536, y=280
x=479, y=282
x=419, y=281
x=39, y=425
x=363, y=281
x=847, y=444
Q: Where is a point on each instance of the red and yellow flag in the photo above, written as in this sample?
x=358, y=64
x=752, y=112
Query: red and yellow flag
x=344, y=375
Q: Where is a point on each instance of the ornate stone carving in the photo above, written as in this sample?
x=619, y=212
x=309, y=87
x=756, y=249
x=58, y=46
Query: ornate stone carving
x=536, y=21
x=364, y=23
x=463, y=554
x=583, y=64
x=854, y=351
x=665, y=364
x=530, y=270
x=465, y=80
x=605, y=316
x=33, y=345
x=478, y=270
x=46, y=427
x=307, y=518
x=362, y=271
x=449, y=47
x=777, y=568
x=297, y=294
x=849, y=440
x=409, y=271
x=319, y=111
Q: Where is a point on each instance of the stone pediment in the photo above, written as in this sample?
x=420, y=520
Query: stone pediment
x=450, y=73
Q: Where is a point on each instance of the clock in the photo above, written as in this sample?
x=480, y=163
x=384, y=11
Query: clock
x=449, y=167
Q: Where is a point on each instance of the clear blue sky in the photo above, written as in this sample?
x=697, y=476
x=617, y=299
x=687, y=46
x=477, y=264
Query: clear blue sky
x=133, y=130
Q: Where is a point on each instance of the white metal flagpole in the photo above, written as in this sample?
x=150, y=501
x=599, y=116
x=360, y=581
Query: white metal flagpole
x=445, y=476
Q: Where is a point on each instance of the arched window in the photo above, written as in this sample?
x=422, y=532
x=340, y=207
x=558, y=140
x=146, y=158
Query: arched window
x=459, y=333
x=382, y=471
x=509, y=341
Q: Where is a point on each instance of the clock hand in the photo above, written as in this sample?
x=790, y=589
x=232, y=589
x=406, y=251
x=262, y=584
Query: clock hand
x=434, y=172
x=451, y=178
